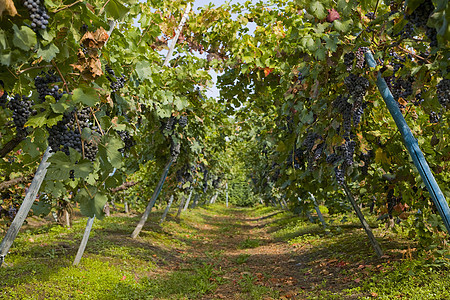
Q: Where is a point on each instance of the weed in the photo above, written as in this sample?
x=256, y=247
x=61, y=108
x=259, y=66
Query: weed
x=249, y=243
x=248, y=285
x=242, y=258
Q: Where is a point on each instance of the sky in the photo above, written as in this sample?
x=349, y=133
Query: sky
x=213, y=91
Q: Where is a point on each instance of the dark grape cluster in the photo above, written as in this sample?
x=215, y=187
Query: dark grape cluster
x=22, y=110
x=127, y=139
x=116, y=82
x=3, y=99
x=434, y=117
x=175, y=149
x=38, y=13
x=407, y=31
x=419, y=17
x=185, y=174
x=356, y=85
x=318, y=151
x=348, y=60
x=340, y=175
x=91, y=148
x=310, y=140
x=183, y=121
x=402, y=87
x=418, y=99
x=169, y=124
x=443, y=92
x=371, y=15
x=345, y=108
x=42, y=83
x=348, y=149
x=333, y=158
x=66, y=134
x=360, y=59
x=295, y=158
x=12, y=212
x=431, y=34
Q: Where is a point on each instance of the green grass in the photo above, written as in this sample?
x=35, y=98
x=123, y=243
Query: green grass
x=250, y=288
x=249, y=243
x=115, y=266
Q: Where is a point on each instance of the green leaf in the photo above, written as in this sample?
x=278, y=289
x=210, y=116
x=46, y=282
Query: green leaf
x=91, y=202
x=331, y=42
x=24, y=38
x=3, y=44
x=111, y=182
x=83, y=169
x=116, y=9
x=59, y=107
x=318, y=10
x=38, y=120
x=41, y=208
x=110, y=150
x=143, y=70
x=411, y=5
x=55, y=188
x=29, y=147
x=60, y=166
x=48, y=53
x=343, y=26
x=86, y=95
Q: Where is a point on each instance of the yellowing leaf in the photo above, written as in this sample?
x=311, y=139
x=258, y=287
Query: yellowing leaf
x=380, y=156
x=8, y=6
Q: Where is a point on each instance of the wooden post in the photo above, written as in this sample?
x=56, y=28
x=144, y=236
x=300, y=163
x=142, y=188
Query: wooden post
x=180, y=207
x=87, y=232
x=25, y=207
x=177, y=34
x=319, y=213
x=107, y=210
x=188, y=200
x=194, y=204
x=213, y=198
x=166, y=210
x=365, y=225
x=152, y=202
x=226, y=197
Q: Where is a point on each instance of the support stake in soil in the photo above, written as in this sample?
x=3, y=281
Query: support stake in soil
x=363, y=221
x=26, y=206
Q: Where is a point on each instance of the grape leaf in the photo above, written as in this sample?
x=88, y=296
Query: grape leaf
x=86, y=95
x=24, y=38
x=48, y=53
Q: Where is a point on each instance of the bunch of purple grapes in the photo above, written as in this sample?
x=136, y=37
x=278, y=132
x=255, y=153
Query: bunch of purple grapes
x=443, y=92
x=66, y=134
x=116, y=83
x=21, y=107
x=127, y=139
x=38, y=13
x=42, y=83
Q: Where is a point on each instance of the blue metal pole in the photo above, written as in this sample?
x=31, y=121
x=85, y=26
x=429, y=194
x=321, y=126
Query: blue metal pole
x=412, y=146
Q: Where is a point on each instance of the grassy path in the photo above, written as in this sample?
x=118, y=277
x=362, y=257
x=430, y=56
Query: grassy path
x=214, y=253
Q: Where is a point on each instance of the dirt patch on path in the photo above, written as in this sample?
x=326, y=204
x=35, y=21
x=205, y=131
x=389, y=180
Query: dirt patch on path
x=254, y=265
